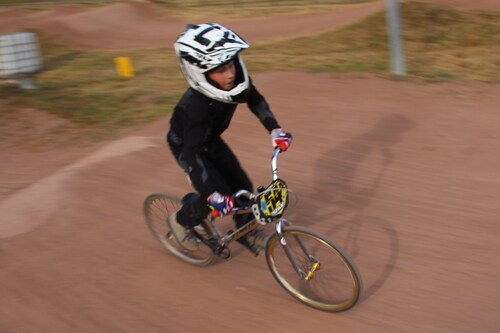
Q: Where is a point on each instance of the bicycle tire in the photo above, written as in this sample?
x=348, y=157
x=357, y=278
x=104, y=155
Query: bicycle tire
x=333, y=293
x=156, y=209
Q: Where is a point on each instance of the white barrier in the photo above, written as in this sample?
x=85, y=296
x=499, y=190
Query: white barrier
x=20, y=58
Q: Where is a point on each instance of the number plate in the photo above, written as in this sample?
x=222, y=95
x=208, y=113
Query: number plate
x=274, y=199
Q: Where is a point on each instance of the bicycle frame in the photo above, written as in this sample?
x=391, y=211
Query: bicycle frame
x=223, y=240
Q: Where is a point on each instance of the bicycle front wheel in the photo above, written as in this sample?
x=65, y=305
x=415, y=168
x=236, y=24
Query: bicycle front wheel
x=313, y=269
x=156, y=209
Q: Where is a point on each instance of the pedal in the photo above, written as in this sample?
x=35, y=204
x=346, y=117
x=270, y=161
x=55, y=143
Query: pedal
x=223, y=252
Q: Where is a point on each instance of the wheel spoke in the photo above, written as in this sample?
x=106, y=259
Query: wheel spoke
x=330, y=281
x=156, y=209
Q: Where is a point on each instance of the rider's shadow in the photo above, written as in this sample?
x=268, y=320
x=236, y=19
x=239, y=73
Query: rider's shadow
x=347, y=179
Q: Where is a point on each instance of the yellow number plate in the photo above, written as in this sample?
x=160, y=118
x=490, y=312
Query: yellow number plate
x=274, y=199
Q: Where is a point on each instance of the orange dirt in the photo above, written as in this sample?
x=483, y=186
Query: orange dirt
x=404, y=175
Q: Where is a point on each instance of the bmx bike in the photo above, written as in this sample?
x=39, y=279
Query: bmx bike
x=310, y=267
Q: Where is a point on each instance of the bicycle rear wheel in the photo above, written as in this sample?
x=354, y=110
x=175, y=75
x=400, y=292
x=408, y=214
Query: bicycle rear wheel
x=157, y=208
x=329, y=280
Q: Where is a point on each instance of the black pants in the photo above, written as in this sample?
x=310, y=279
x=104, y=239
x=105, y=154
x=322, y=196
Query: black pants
x=222, y=172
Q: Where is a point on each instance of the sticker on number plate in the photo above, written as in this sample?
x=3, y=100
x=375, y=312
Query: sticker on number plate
x=274, y=199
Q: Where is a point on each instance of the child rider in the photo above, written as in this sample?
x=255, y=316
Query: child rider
x=210, y=61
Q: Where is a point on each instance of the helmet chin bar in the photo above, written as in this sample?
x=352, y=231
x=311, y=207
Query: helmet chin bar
x=222, y=95
x=198, y=81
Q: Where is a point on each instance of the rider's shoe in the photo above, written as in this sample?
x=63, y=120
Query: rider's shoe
x=182, y=235
x=255, y=240
x=258, y=238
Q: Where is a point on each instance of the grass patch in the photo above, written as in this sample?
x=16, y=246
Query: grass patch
x=83, y=86
x=452, y=43
x=439, y=43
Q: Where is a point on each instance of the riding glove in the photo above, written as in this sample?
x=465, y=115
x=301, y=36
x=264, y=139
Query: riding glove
x=281, y=139
x=222, y=204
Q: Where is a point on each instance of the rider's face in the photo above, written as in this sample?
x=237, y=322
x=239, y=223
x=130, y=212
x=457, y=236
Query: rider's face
x=224, y=75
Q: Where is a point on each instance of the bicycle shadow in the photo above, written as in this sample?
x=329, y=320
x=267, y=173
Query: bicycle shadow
x=347, y=179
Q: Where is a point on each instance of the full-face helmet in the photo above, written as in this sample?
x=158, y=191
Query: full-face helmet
x=204, y=47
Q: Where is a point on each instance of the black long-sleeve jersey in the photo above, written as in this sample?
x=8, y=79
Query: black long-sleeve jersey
x=197, y=120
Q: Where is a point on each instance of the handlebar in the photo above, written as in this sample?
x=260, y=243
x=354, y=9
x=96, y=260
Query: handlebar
x=274, y=162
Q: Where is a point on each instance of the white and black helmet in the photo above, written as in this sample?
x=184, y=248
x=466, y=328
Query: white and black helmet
x=204, y=47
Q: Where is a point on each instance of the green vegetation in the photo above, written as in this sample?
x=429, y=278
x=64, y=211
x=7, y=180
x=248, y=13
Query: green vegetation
x=452, y=44
x=438, y=42
x=82, y=85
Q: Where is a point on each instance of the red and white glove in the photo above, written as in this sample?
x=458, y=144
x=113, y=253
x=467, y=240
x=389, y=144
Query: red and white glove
x=281, y=139
x=221, y=204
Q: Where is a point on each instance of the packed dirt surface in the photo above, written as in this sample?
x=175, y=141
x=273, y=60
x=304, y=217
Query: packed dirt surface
x=404, y=175
x=110, y=27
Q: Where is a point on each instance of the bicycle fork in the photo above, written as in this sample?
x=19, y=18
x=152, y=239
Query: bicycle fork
x=314, y=262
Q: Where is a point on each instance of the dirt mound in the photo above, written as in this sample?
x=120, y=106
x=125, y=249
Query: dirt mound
x=121, y=25
x=20, y=18
x=140, y=24
x=137, y=24
x=13, y=14
x=283, y=26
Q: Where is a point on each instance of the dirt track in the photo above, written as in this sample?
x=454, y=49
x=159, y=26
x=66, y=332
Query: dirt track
x=403, y=174
x=137, y=24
